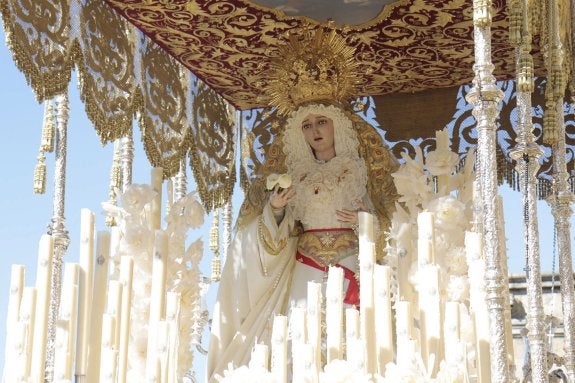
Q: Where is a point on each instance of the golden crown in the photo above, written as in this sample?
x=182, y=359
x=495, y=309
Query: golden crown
x=314, y=65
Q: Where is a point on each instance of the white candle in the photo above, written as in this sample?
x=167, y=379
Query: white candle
x=430, y=316
x=98, y=305
x=259, y=357
x=162, y=343
x=63, y=356
x=108, y=355
x=366, y=226
x=126, y=278
x=478, y=304
x=156, y=204
x=297, y=325
x=404, y=330
x=451, y=330
x=43, y=283
x=20, y=370
x=383, y=330
x=279, y=349
x=367, y=314
x=425, y=238
x=313, y=320
x=334, y=313
x=23, y=340
x=157, y=298
x=173, y=302
x=16, y=290
x=85, y=289
x=351, y=331
x=303, y=359
x=109, y=365
x=114, y=307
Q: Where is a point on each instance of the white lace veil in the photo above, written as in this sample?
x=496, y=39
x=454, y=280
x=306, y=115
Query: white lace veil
x=297, y=150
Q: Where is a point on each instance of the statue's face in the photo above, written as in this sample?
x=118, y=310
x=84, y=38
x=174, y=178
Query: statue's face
x=318, y=132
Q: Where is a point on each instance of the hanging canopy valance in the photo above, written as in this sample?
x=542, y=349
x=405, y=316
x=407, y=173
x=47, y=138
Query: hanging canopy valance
x=187, y=61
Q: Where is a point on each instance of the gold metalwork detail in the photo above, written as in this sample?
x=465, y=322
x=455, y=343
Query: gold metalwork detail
x=482, y=13
x=47, y=144
x=267, y=241
x=212, y=145
x=312, y=66
x=40, y=174
x=106, y=71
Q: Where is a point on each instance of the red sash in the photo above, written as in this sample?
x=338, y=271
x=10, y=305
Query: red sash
x=352, y=293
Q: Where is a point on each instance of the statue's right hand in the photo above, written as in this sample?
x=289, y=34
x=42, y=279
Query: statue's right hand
x=280, y=198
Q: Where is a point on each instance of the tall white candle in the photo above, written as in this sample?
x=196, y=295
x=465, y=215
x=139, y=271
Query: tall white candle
x=156, y=204
x=383, y=330
x=157, y=299
x=334, y=313
x=451, y=329
x=351, y=331
x=367, y=313
x=85, y=289
x=162, y=343
x=313, y=320
x=107, y=348
x=43, y=283
x=98, y=305
x=279, y=349
x=425, y=238
x=16, y=290
x=297, y=325
x=366, y=226
x=20, y=370
x=109, y=365
x=430, y=316
x=404, y=330
x=23, y=340
x=114, y=307
x=126, y=278
x=478, y=304
x=259, y=357
x=173, y=303
x=61, y=350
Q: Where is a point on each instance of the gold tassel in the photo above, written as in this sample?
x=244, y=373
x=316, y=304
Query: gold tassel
x=515, y=22
x=214, y=246
x=40, y=174
x=525, y=82
x=550, y=135
x=47, y=143
x=115, y=182
x=482, y=13
x=216, y=268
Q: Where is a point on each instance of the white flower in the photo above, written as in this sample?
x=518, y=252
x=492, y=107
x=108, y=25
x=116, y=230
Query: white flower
x=283, y=180
x=137, y=238
x=458, y=288
x=136, y=197
x=449, y=215
x=186, y=213
x=410, y=180
x=442, y=160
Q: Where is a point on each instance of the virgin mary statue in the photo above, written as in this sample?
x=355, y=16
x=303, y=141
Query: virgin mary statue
x=325, y=165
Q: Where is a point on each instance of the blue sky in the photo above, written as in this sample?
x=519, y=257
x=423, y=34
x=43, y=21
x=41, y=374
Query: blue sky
x=26, y=215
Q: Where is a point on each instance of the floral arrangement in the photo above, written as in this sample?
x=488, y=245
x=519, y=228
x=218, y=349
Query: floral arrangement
x=134, y=237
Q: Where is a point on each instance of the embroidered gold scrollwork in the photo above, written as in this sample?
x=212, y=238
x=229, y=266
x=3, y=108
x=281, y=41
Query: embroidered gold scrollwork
x=267, y=241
